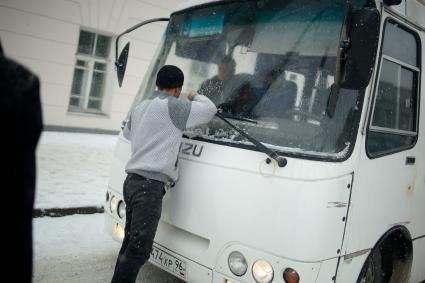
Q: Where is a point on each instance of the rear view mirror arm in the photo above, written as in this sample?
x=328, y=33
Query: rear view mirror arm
x=133, y=28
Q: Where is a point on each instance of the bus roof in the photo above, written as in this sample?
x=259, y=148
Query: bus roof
x=193, y=3
x=414, y=10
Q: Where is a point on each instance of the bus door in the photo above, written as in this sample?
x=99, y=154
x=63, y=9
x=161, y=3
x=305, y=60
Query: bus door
x=385, y=183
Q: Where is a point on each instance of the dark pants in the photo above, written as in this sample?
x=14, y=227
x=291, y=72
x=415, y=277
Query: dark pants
x=143, y=198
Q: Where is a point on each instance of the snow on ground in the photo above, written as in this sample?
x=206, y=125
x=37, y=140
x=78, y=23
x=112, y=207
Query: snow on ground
x=77, y=249
x=73, y=169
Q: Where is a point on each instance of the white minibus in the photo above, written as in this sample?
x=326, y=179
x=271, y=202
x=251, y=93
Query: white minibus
x=314, y=168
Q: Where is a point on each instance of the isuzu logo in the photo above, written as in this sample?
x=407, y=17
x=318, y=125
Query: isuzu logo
x=191, y=149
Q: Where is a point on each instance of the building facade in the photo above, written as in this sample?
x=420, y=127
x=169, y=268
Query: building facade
x=70, y=45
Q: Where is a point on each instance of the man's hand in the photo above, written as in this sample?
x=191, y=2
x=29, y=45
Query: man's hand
x=191, y=95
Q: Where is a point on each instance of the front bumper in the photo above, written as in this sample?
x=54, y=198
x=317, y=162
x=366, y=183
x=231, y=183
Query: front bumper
x=195, y=272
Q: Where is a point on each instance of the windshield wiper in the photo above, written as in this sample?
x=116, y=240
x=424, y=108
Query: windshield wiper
x=239, y=118
x=281, y=161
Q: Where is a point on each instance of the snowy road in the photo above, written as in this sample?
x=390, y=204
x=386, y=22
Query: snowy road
x=72, y=171
x=76, y=249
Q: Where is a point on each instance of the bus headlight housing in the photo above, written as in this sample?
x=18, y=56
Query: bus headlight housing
x=237, y=263
x=262, y=271
x=121, y=209
x=114, y=204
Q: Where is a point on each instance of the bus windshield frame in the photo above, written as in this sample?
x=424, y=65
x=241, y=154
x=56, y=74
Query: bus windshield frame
x=281, y=56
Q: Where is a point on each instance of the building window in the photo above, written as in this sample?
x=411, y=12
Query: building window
x=90, y=69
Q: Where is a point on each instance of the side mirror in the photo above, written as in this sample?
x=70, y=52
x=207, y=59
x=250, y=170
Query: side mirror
x=356, y=54
x=121, y=63
x=361, y=49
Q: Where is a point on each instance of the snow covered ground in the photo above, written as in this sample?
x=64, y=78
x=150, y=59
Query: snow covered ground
x=73, y=169
x=76, y=249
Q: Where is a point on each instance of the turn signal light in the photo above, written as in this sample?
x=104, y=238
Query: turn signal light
x=291, y=276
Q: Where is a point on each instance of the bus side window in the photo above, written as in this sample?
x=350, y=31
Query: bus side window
x=394, y=120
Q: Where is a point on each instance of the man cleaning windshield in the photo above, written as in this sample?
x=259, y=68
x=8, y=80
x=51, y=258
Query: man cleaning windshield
x=155, y=130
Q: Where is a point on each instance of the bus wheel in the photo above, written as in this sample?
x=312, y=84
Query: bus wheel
x=372, y=270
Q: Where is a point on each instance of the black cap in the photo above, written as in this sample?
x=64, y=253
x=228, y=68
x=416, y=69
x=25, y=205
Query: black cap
x=169, y=77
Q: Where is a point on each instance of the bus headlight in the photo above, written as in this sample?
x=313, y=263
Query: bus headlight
x=121, y=209
x=237, y=263
x=114, y=204
x=119, y=231
x=262, y=271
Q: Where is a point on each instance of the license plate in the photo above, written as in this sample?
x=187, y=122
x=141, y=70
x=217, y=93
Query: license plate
x=168, y=262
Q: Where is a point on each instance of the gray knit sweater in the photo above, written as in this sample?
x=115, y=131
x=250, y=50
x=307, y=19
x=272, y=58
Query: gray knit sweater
x=155, y=130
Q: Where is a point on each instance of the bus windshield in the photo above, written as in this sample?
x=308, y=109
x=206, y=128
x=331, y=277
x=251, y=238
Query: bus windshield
x=271, y=62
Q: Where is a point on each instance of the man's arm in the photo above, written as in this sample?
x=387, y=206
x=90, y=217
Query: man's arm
x=197, y=110
x=202, y=110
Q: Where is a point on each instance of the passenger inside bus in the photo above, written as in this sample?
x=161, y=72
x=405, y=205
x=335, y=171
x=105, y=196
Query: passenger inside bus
x=213, y=88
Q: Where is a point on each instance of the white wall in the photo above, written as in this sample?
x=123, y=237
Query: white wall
x=43, y=35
